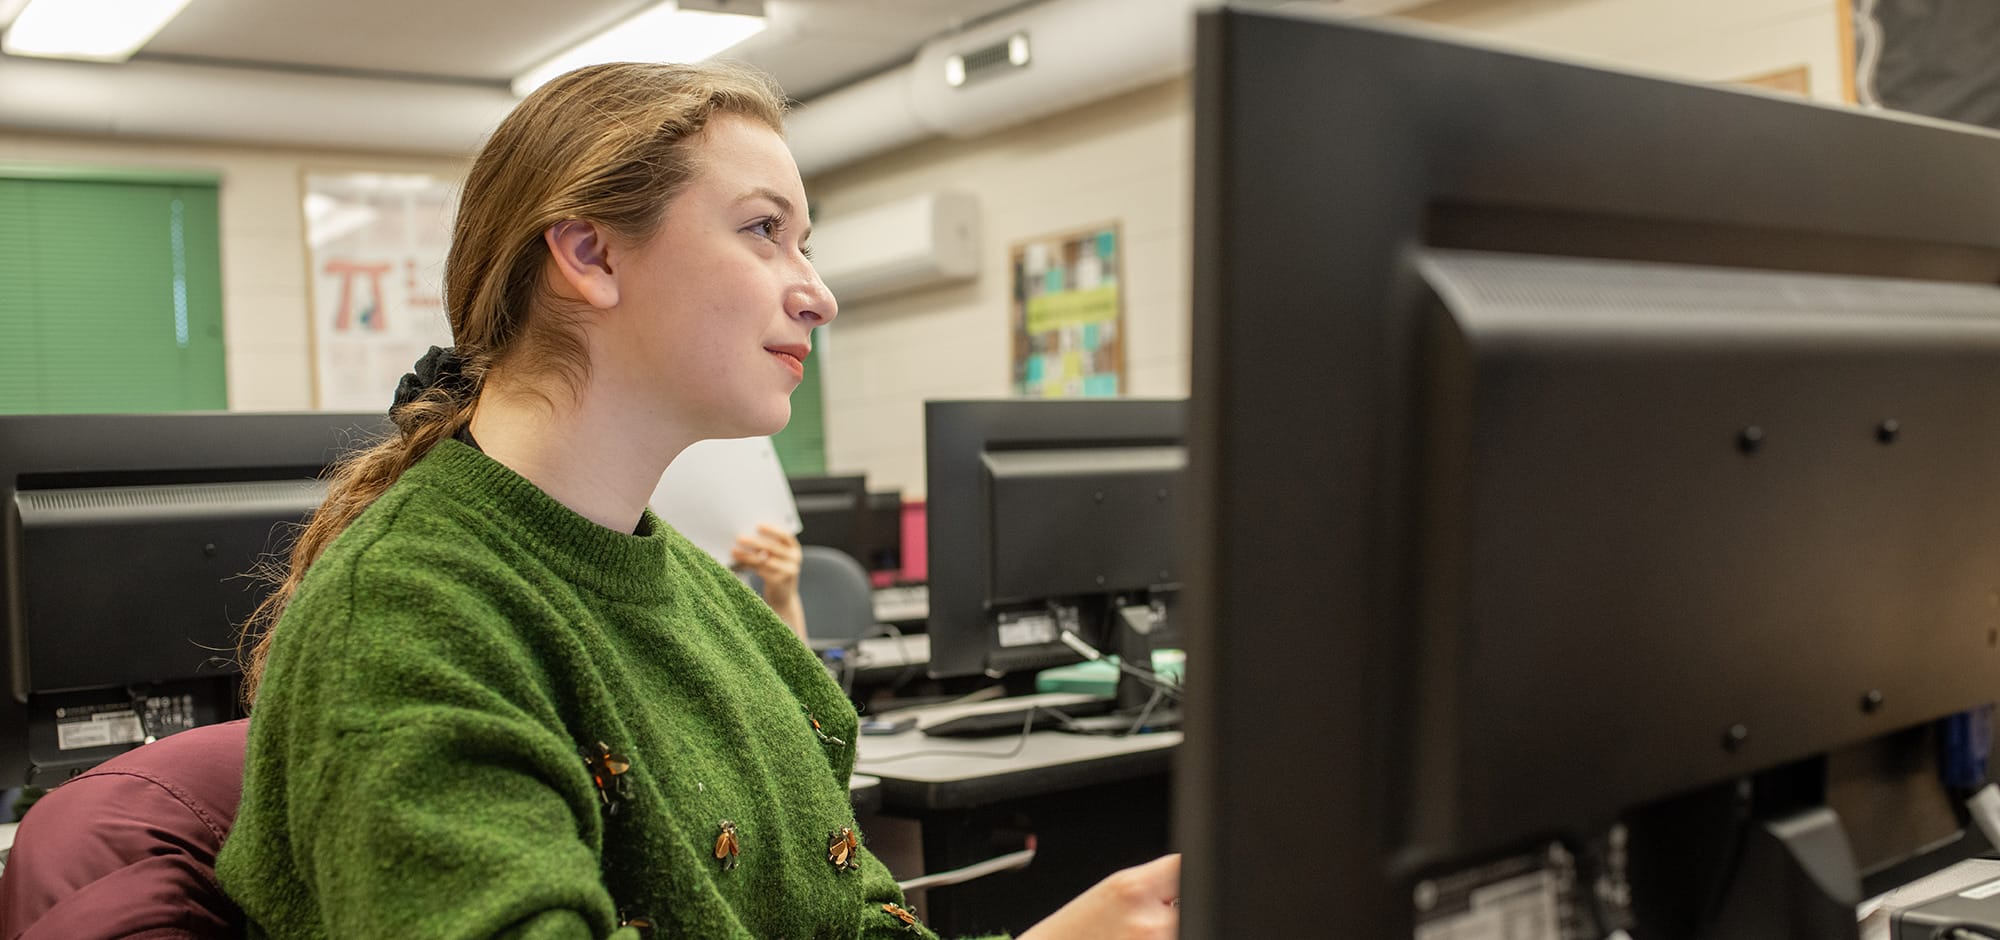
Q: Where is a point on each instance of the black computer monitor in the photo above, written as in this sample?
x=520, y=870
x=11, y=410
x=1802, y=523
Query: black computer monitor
x=1044, y=516
x=1591, y=475
x=833, y=512
x=125, y=544
x=884, y=550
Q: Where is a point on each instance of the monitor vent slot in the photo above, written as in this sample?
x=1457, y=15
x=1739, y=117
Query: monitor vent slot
x=185, y=496
x=1498, y=282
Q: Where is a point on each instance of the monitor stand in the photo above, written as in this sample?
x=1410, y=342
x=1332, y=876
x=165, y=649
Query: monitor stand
x=1132, y=626
x=1743, y=870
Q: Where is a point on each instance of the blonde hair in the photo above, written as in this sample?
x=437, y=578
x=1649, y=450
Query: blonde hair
x=607, y=144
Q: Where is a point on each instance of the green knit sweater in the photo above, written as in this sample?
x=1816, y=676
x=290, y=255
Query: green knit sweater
x=417, y=762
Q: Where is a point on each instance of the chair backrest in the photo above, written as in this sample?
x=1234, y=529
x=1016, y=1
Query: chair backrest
x=129, y=848
x=838, y=600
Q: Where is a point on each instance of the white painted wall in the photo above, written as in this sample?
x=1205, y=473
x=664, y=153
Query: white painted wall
x=1128, y=159
x=262, y=222
x=1705, y=40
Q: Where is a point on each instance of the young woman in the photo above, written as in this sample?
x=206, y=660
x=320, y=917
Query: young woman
x=774, y=556
x=495, y=695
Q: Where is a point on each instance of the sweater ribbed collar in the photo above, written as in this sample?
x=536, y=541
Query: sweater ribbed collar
x=621, y=566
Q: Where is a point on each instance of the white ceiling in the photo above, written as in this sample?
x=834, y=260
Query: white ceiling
x=811, y=46
x=431, y=76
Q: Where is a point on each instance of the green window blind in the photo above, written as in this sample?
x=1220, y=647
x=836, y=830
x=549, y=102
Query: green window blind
x=801, y=446
x=110, y=292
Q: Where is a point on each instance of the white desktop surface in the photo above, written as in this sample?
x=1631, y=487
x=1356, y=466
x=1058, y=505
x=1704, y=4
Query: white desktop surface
x=915, y=756
x=7, y=835
x=944, y=760
x=884, y=652
x=902, y=604
x=859, y=782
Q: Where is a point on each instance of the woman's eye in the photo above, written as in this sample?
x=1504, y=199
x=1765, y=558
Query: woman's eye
x=765, y=228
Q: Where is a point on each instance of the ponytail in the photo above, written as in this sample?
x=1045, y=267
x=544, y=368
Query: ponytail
x=429, y=408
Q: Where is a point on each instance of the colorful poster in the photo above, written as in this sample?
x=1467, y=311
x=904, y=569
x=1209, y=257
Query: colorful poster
x=1069, y=321
x=376, y=246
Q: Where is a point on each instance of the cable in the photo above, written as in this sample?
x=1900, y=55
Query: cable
x=1020, y=743
x=910, y=666
x=1139, y=722
x=1008, y=862
x=1867, y=53
x=1152, y=679
x=1964, y=932
x=138, y=696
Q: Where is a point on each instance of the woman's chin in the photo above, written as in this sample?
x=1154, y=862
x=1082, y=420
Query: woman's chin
x=768, y=422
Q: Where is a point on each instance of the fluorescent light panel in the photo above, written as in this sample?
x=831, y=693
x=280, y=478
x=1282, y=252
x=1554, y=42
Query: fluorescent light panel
x=661, y=33
x=97, y=30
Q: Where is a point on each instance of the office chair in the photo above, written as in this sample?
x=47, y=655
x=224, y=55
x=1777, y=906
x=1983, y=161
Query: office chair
x=129, y=848
x=838, y=600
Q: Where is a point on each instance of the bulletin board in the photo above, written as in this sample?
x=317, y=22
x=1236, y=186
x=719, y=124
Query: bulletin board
x=375, y=251
x=1069, y=315
x=1932, y=57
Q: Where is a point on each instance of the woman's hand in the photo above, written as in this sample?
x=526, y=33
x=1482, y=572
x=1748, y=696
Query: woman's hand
x=774, y=555
x=1140, y=903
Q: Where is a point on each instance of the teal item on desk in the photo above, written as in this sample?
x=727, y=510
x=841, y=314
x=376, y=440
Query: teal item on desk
x=1101, y=677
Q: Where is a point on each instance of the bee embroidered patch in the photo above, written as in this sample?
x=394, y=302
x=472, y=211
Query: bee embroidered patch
x=607, y=771
x=726, y=847
x=843, y=849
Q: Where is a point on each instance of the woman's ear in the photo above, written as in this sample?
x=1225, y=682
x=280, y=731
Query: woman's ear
x=582, y=256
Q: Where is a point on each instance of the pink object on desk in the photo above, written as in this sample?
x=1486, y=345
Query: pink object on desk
x=916, y=563
x=916, y=557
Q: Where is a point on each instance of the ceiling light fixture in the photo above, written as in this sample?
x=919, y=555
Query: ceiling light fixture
x=683, y=31
x=95, y=30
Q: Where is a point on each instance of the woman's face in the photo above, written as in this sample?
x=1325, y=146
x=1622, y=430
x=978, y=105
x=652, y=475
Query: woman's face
x=715, y=312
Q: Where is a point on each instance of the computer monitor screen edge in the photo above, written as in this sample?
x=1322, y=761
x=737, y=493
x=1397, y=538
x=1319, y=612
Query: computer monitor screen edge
x=1348, y=452
x=127, y=547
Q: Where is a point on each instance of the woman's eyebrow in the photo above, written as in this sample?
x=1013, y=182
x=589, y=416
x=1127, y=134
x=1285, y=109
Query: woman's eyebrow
x=784, y=205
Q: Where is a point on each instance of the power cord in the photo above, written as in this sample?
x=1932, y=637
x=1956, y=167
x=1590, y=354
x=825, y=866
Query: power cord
x=1964, y=932
x=1020, y=742
x=1152, y=680
x=911, y=668
x=138, y=696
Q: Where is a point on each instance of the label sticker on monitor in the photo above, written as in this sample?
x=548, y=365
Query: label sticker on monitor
x=79, y=728
x=1531, y=895
x=1521, y=906
x=1026, y=628
x=1982, y=892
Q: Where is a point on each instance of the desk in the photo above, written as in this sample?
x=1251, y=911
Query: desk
x=902, y=604
x=1093, y=803
x=922, y=773
x=888, y=655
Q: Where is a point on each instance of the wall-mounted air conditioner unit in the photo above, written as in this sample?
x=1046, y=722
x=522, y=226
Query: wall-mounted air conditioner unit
x=922, y=241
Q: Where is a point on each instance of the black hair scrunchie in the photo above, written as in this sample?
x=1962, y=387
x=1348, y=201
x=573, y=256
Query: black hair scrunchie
x=439, y=368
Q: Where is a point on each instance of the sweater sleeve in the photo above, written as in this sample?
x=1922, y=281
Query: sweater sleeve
x=449, y=825
x=406, y=771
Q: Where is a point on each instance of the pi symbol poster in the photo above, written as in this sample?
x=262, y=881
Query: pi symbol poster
x=376, y=244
